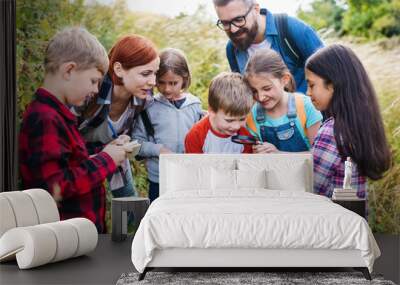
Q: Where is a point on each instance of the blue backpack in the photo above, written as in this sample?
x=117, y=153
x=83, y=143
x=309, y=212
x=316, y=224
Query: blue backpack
x=285, y=39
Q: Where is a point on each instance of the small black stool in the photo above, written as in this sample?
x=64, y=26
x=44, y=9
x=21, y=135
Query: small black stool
x=119, y=209
x=357, y=205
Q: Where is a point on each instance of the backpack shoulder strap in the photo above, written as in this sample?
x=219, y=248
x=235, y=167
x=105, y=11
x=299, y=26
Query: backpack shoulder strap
x=250, y=122
x=230, y=54
x=286, y=41
x=292, y=108
x=147, y=123
x=301, y=113
x=129, y=124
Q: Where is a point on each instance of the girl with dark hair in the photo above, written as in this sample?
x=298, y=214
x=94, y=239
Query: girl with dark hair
x=125, y=91
x=338, y=84
x=281, y=119
x=172, y=114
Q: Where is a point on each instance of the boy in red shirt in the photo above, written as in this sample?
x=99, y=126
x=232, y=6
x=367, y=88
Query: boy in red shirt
x=52, y=153
x=229, y=102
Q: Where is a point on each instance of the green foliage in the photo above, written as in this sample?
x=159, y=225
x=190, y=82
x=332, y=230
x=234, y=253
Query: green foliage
x=362, y=18
x=204, y=45
x=323, y=14
x=38, y=21
x=384, y=203
x=385, y=193
x=202, y=42
x=140, y=174
x=381, y=60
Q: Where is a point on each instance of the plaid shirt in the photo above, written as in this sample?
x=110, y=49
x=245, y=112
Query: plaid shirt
x=52, y=156
x=329, y=165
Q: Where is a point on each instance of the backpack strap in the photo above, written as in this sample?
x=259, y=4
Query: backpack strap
x=147, y=123
x=250, y=123
x=148, y=128
x=260, y=114
x=286, y=40
x=130, y=122
x=292, y=110
x=230, y=54
x=301, y=113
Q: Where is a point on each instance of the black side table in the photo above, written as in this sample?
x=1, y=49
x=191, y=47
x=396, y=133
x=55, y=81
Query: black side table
x=357, y=206
x=119, y=214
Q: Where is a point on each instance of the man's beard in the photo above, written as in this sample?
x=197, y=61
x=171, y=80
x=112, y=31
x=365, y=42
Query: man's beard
x=244, y=43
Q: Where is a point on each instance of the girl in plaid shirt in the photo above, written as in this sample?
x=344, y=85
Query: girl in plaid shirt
x=339, y=84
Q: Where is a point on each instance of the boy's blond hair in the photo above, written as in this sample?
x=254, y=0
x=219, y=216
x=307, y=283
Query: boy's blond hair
x=78, y=45
x=229, y=93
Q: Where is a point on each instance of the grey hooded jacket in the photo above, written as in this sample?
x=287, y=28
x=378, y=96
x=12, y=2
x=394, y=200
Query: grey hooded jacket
x=170, y=128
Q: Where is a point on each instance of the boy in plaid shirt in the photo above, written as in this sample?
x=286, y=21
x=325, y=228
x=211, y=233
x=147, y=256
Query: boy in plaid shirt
x=52, y=152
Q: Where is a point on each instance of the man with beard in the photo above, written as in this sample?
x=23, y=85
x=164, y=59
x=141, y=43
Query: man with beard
x=250, y=28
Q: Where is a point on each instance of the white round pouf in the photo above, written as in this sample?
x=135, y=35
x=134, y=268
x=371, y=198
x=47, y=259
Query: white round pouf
x=33, y=246
x=31, y=232
x=87, y=235
x=7, y=217
x=67, y=239
x=45, y=205
x=23, y=208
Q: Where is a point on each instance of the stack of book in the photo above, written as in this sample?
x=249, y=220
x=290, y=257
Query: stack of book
x=344, y=194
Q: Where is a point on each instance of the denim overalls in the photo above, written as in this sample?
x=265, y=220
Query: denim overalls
x=286, y=137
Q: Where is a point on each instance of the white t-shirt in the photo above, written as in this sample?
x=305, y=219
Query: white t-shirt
x=116, y=180
x=117, y=125
x=263, y=45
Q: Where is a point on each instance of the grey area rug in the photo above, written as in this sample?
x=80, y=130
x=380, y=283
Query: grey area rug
x=229, y=278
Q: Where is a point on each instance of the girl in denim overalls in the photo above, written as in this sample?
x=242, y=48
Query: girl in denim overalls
x=280, y=119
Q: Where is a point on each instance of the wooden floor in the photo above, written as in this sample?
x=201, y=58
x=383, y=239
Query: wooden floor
x=110, y=259
x=389, y=262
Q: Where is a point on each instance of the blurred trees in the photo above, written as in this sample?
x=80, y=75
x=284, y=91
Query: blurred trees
x=38, y=21
x=363, y=18
x=324, y=14
x=204, y=44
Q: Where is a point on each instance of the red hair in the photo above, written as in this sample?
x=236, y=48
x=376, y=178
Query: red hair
x=130, y=51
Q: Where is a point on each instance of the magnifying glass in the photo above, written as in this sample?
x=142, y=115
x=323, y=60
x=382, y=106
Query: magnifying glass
x=249, y=140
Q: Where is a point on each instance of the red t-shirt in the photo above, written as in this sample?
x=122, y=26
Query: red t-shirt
x=203, y=139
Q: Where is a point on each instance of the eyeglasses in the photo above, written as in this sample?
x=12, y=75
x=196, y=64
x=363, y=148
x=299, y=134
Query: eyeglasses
x=238, y=22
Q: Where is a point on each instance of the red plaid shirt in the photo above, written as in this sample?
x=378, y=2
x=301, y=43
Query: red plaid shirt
x=52, y=154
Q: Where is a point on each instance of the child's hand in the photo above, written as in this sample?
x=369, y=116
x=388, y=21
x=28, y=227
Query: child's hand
x=265, y=148
x=165, y=150
x=117, y=153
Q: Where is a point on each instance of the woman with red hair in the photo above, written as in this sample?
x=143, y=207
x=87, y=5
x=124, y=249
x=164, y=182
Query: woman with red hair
x=125, y=91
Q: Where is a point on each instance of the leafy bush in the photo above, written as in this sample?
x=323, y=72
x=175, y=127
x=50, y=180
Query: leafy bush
x=324, y=14
x=204, y=45
x=362, y=18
